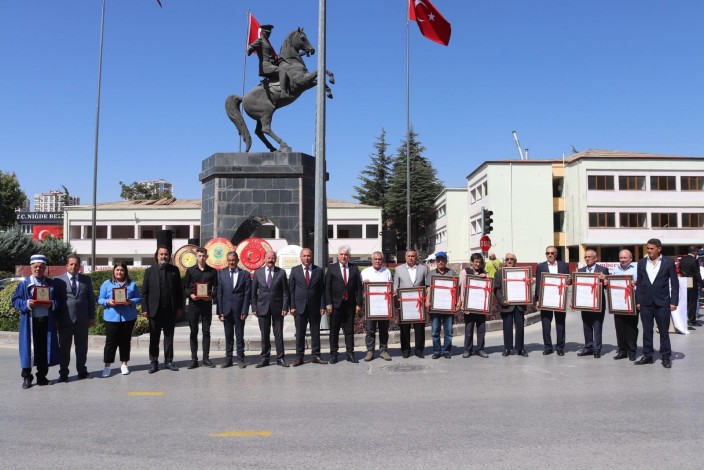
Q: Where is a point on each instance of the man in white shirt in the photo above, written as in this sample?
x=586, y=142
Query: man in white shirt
x=626, y=325
x=377, y=272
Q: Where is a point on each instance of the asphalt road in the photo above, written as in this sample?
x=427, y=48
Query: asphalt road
x=515, y=412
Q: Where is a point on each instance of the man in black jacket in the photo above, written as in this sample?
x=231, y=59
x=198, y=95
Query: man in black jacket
x=689, y=268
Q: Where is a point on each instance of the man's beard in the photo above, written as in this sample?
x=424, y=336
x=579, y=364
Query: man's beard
x=163, y=262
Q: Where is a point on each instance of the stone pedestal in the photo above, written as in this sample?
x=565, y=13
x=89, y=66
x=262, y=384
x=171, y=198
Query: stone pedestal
x=277, y=186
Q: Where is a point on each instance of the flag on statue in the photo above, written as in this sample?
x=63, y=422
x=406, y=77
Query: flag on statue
x=252, y=29
x=431, y=23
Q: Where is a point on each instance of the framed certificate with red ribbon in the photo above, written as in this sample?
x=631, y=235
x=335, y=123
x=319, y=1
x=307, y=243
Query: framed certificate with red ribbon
x=478, y=292
x=201, y=291
x=622, y=298
x=41, y=295
x=443, y=294
x=377, y=300
x=516, y=284
x=587, y=291
x=411, y=304
x=553, y=292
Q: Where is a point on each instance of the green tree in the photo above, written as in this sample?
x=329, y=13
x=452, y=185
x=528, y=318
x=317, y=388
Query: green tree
x=15, y=248
x=137, y=190
x=375, y=177
x=425, y=186
x=11, y=198
x=55, y=250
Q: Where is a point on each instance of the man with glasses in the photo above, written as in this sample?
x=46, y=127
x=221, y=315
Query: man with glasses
x=553, y=266
x=626, y=325
x=377, y=272
x=344, y=292
x=593, y=320
x=510, y=314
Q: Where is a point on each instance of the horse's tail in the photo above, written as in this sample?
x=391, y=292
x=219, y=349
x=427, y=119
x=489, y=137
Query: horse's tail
x=232, y=106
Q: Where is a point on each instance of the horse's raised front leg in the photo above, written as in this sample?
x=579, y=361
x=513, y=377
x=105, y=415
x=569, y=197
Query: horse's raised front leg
x=266, y=129
x=330, y=76
x=258, y=132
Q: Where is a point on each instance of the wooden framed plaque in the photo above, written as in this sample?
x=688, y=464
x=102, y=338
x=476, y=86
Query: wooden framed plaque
x=516, y=285
x=478, y=292
x=411, y=305
x=119, y=295
x=587, y=291
x=622, y=297
x=443, y=294
x=201, y=291
x=41, y=295
x=377, y=296
x=553, y=292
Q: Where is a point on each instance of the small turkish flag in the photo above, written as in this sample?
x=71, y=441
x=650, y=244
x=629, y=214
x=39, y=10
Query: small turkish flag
x=252, y=30
x=431, y=23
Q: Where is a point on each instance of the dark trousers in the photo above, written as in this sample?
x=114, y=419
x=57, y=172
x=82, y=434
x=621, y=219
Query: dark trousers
x=509, y=318
x=198, y=313
x=343, y=316
x=546, y=320
x=118, y=335
x=234, y=331
x=419, y=330
x=692, y=296
x=166, y=321
x=661, y=316
x=78, y=333
x=592, y=323
x=303, y=319
x=626, y=333
x=370, y=338
x=472, y=321
x=268, y=322
x=40, y=330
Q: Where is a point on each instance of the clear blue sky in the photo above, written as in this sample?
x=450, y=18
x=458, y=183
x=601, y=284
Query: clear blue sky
x=620, y=75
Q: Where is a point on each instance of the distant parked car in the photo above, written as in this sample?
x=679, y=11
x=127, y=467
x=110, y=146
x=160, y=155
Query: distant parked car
x=7, y=280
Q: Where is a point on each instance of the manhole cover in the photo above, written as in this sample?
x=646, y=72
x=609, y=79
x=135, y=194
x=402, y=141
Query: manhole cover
x=404, y=367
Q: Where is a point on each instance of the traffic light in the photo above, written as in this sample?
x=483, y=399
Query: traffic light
x=487, y=221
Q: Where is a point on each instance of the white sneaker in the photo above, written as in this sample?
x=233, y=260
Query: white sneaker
x=125, y=370
x=106, y=372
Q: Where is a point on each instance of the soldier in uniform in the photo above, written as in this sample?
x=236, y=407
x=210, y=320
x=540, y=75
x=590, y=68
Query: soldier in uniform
x=268, y=61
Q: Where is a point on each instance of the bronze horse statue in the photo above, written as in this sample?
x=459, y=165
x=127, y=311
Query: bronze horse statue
x=262, y=101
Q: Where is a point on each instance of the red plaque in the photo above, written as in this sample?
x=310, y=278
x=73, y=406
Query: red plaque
x=251, y=252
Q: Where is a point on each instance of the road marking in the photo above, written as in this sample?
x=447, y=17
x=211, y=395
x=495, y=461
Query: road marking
x=241, y=434
x=145, y=394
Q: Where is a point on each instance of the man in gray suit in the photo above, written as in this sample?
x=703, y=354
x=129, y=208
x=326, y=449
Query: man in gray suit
x=77, y=314
x=270, y=304
x=411, y=275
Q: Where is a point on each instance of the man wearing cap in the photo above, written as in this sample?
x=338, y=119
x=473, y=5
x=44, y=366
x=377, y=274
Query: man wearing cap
x=510, y=314
x=38, y=318
x=689, y=268
x=438, y=319
x=377, y=272
x=268, y=61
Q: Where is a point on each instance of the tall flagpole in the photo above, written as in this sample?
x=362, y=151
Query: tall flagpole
x=97, y=133
x=408, y=135
x=319, y=225
x=244, y=67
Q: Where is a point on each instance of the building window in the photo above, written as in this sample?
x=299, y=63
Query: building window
x=486, y=188
x=632, y=219
x=631, y=183
x=475, y=227
x=100, y=230
x=558, y=185
x=558, y=221
x=349, y=231
x=663, y=220
x=692, y=220
x=372, y=231
x=122, y=232
x=601, y=182
x=692, y=183
x=602, y=219
x=473, y=194
x=662, y=183
x=331, y=231
x=180, y=231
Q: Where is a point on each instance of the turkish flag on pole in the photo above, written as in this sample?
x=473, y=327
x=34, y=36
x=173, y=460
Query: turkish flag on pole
x=431, y=23
x=252, y=29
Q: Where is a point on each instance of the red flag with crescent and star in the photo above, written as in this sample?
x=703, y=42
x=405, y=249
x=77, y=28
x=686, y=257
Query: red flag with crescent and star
x=431, y=23
x=252, y=29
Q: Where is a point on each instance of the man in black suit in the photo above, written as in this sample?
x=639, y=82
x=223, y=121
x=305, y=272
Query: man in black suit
x=689, y=268
x=270, y=304
x=593, y=320
x=552, y=266
x=162, y=302
x=343, y=293
x=510, y=313
x=77, y=314
x=234, y=293
x=307, y=290
x=657, y=294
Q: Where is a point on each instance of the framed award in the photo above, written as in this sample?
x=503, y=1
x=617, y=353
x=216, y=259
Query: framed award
x=586, y=291
x=516, y=285
x=119, y=295
x=411, y=305
x=443, y=294
x=478, y=292
x=377, y=296
x=41, y=295
x=201, y=291
x=553, y=292
x=622, y=297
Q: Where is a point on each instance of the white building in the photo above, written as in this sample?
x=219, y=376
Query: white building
x=449, y=232
x=54, y=201
x=158, y=186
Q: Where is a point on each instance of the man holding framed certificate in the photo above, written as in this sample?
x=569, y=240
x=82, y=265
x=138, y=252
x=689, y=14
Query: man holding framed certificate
x=411, y=275
x=380, y=276
x=626, y=325
x=473, y=319
x=201, y=284
x=551, y=266
x=441, y=301
x=587, y=291
x=512, y=288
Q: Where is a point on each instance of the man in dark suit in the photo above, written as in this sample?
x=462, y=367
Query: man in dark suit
x=510, y=314
x=689, y=268
x=552, y=266
x=77, y=314
x=270, y=304
x=162, y=302
x=593, y=320
x=408, y=275
x=307, y=289
x=343, y=294
x=234, y=293
x=657, y=294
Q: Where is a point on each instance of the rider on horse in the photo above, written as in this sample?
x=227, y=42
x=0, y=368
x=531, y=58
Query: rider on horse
x=268, y=61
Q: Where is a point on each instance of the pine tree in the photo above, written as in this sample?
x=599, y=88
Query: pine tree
x=11, y=198
x=375, y=177
x=425, y=187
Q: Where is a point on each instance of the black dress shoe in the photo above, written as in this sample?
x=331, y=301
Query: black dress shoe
x=63, y=379
x=466, y=354
x=227, y=363
x=419, y=354
x=154, y=367
x=522, y=352
x=436, y=356
x=481, y=353
x=631, y=357
x=333, y=358
x=85, y=375
x=208, y=363
x=297, y=362
x=585, y=352
x=620, y=355
x=317, y=360
x=406, y=353
x=547, y=352
x=644, y=360
x=42, y=380
x=597, y=354
x=171, y=366
x=27, y=382
x=666, y=362
x=352, y=359
x=241, y=364
x=507, y=352
x=447, y=355
x=282, y=363
x=264, y=363
x=560, y=352
x=193, y=365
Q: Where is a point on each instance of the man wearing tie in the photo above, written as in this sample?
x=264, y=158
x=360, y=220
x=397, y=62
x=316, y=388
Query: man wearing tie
x=307, y=290
x=657, y=294
x=552, y=266
x=343, y=293
x=77, y=314
x=406, y=276
x=270, y=303
x=593, y=320
x=234, y=291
